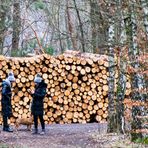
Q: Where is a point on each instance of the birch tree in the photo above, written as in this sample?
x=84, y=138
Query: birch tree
x=136, y=78
x=121, y=68
x=144, y=4
x=112, y=124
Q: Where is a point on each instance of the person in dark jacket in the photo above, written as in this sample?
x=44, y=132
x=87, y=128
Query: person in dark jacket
x=37, y=108
x=6, y=101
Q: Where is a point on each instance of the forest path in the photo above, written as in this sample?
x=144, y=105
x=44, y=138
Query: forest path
x=90, y=135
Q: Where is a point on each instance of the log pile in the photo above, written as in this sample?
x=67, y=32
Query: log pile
x=77, y=86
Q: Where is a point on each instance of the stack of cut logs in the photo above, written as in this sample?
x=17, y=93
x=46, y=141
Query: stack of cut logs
x=77, y=89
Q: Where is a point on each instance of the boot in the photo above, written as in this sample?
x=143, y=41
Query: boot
x=7, y=129
x=42, y=132
x=35, y=131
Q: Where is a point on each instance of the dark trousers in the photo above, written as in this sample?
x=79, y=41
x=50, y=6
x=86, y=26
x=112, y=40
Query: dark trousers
x=5, y=122
x=36, y=121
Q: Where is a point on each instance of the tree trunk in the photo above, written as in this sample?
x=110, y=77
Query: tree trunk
x=121, y=69
x=136, y=78
x=99, y=27
x=70, y=27
x=93, y=25
x=16, y=28
x=112, y=124
x=81, y=26
x=121, y=87
x=59, y=33
x=144, y=4
x=2, y=24
x=2, y=30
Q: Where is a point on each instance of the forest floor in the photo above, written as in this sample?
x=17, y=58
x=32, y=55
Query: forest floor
x=90, y=135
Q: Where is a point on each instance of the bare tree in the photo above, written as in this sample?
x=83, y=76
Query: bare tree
x=99, y=25
x=16, y=27
x=4, y=21
x=81, y=26
x=70, y=26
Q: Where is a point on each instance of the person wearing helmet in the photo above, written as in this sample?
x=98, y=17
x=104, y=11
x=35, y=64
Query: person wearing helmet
x=6, y=101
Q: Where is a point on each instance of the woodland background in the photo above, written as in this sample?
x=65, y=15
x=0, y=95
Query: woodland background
x=118, y=28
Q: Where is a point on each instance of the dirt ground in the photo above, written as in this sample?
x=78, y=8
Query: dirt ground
x=90, y=135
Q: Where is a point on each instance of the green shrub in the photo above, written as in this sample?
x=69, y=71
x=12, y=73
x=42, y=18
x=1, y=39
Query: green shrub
x=141, y=140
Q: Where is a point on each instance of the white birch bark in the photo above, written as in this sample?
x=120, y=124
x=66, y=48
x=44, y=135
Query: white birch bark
x=144, y=4
x=121, y=67
x=111, y=107
x=137, y=79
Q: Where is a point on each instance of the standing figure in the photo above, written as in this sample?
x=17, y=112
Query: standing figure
x=37, y=108
x=6, y=101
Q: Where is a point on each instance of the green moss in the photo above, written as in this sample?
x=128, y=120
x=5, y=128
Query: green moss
x=119, y=89
x=3, y=145
x=112, y=124
x=141, y=140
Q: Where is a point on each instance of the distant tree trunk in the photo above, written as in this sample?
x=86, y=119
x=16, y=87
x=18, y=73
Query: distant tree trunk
x=70, y=27
x=93, y=24
x=59, y=33
x=112, y=124
x=16, y=27
x=81, y=26
x=136, y=78
x=99, y=26
x=2, y=24
x=68, y=42
x=144, y=4
x=2, y=30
